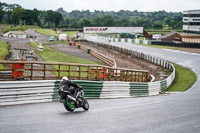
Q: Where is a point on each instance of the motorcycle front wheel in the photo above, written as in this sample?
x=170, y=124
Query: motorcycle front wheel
x=68, y=106
x=85, y=104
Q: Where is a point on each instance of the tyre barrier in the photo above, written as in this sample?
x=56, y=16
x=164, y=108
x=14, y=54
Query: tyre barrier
x=23, y=92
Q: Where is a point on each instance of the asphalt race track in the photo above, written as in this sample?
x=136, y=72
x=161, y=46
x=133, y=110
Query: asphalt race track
x=174, y=113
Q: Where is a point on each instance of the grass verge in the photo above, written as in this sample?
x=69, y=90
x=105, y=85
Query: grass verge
x=185, y=78
x=3, y=52
x=158, y=46
x=17, y=28
x=50, y=55
x=55, y=42
x=48, y=32
x=153, y=31
x=70, y=33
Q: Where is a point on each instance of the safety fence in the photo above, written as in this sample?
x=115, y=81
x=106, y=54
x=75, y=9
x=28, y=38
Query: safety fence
x=34, y=70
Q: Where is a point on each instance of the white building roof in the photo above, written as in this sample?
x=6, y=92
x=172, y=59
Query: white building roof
x=15, y=33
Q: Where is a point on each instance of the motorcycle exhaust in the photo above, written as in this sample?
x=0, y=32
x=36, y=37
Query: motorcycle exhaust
x=72, y=98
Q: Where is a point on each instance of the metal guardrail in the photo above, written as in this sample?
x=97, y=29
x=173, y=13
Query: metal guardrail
x=98, y=55
x=21, y=92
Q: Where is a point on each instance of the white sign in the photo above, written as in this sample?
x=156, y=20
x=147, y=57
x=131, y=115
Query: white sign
x=108, y=30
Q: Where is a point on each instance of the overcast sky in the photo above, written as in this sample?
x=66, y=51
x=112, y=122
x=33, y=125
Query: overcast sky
x=109, y=5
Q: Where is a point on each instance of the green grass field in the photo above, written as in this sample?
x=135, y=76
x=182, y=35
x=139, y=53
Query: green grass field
x=48, y=32
x=185, y=78
x=153, y=31
x=4, y=27
x=158, y=46
x=7, y=28
x=50, y=55
x=55, y=42
x=70, y=33
x=3, y=52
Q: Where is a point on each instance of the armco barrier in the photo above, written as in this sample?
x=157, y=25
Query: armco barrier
x=21, y=92
x=98, y=55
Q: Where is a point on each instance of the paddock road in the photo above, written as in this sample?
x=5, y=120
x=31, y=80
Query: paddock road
x=174, y=113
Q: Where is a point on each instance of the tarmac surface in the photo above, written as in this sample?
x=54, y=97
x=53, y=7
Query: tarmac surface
x=169, y=113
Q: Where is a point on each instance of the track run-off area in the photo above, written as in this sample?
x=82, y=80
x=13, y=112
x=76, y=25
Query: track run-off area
x=163, y=113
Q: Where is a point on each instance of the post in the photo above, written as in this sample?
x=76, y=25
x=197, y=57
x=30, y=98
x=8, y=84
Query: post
x=31, y=71
x=79, y=73
x=127, y=75
x=131, y=76
x=135, y=76
x=109, y=76
x=59, y=71
x=14, y=71
x=97, y=72
x=88, y=73
x=69, y=72
x=104, y=73
x=121, y=74
x=44, y=71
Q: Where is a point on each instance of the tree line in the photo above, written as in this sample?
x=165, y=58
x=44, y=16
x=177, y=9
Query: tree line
x=15, y=14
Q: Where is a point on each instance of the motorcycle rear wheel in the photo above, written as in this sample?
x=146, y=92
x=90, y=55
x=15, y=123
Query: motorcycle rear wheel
x=68, y=106
x=85, y=104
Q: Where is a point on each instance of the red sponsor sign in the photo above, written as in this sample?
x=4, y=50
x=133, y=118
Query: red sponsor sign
x=96, y=29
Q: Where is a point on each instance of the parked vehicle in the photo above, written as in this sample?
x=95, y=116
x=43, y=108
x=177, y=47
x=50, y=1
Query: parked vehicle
x=52, y=38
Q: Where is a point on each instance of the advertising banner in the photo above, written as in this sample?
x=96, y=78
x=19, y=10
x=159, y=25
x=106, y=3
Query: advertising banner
x=108, y=30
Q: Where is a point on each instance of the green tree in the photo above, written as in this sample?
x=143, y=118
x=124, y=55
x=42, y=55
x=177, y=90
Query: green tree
x=58, y=18
x=96, y=21
x=158, y=25
x=9, y=8
x=30, y=17
x=85, y=23
x=17, y=14
x=2, y=5
x=108, y=21
x=53, y=18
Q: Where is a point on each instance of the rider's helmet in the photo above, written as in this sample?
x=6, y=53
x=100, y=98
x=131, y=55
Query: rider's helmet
x=64, y=78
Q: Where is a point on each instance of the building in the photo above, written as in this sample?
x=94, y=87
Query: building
x=191, y=21
x=171, y=37
x=62, y=37
x=156, y=37
x=191, y=38
x=15, y=34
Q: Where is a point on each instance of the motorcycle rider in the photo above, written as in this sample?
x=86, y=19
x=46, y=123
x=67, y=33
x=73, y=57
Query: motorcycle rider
x=68, y=86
